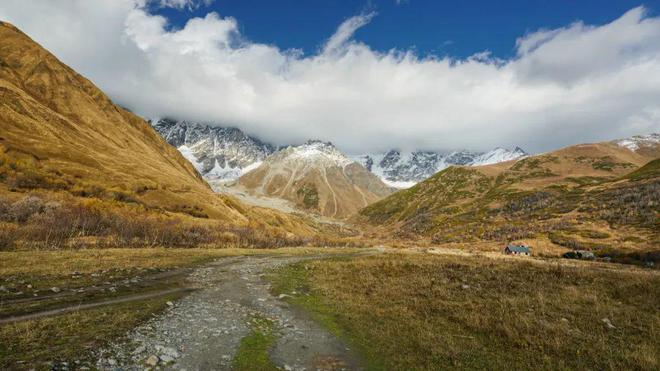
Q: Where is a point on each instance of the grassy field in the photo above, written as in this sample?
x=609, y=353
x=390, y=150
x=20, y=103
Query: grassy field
x=427, y=312
x=27, y=279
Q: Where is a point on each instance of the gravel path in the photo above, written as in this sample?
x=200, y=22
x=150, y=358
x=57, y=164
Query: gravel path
x=203, y=330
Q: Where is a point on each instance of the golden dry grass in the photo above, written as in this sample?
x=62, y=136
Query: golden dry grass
x=420, y=311
x=63, y=262
x=60, y=133
x=43, y=343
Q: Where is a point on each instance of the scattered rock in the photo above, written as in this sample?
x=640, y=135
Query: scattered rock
x=3, y=289
x=152, y=361
x=55, y=289
x=565, y=320
x=465, y=287
x=171, y=352
x=166, y=359
x=112, y=362
x=169, y=303
x=608, y=324
x=139, y=349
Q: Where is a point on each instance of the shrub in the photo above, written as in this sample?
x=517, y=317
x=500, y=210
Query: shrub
x=23, y=209
x=5, y=210
x=8, y=235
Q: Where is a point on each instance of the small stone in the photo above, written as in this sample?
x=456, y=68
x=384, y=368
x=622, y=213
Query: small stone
x=288, y=368
x=152, y=361
x=170, y=352
x=282, y=296
x=166, y=359
x=29, y=286
x=565, y=320
x=465, y=287
x=608, y=323
x=55, y=289
x=3, y=289
x=112, y=362
x=169, y=303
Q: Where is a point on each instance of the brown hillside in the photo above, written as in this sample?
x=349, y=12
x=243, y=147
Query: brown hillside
x=63, y=139
x=587, y=196
x=317, y=177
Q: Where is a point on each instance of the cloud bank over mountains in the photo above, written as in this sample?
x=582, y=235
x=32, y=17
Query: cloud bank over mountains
x=572, y=84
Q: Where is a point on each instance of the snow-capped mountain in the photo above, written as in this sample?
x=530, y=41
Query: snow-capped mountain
x=403, y=170
x=318, y=177
x=218, y=153
x=639, y=141
x=221, y=153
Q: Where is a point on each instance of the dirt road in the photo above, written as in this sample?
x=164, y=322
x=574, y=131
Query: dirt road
x=203, y=330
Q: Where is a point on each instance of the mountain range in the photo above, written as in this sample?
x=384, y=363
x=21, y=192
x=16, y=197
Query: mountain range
x=601, y=197
x=221, y=153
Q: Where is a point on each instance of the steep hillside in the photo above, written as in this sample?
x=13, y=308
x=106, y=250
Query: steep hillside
x=606, y=188
x=317, y=177
x=62, y=139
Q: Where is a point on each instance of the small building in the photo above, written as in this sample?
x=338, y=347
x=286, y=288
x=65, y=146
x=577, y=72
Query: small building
x=517, y=249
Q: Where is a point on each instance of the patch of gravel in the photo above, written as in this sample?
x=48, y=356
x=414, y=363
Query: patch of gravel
x=203, y=330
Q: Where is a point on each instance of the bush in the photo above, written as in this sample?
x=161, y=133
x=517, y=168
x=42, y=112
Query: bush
x=5, y=210
x=22, y=210
x=8, y=235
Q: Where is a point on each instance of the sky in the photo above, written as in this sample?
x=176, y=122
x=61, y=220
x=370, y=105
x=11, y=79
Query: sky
x=370, y=75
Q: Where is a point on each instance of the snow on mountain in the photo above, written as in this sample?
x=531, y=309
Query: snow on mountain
x=317, y=151
x=316, y=176
x=498, y=155
x=638, y=141
x=218, y=153
x=403, y=170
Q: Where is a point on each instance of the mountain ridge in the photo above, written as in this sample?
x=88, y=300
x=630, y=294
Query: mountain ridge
x=607, y=188
x=241, y=153
x=318, y=177
x=62, y=139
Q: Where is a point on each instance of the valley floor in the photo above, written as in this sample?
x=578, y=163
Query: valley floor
x=324, y=309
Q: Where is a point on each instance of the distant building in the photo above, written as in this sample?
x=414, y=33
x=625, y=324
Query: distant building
x=517, y=249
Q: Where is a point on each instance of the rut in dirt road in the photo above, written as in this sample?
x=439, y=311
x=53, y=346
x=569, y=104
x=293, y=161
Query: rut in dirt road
x=203, y=331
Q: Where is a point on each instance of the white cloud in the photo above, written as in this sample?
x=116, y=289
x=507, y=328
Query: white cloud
x=572, y=84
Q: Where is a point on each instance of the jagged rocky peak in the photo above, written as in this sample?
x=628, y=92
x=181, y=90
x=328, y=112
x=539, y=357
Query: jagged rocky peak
x=404, y=169
x=636, y=142
x=223, y=153
x=314, y=151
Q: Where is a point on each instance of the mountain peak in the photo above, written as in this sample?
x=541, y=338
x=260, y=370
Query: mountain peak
x=636, y=142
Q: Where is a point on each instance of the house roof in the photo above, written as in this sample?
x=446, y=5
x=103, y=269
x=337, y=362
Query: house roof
x=518, y=248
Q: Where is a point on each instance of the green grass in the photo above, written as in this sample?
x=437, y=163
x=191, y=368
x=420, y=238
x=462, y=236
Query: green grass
x=252, y=354
x=414, y=312
x=70, y=337
x=649, y=171
x=296, y=279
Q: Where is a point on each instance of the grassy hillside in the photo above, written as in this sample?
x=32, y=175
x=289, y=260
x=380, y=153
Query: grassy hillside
x=597, y=196
x=77, y=169
x=415, y=311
